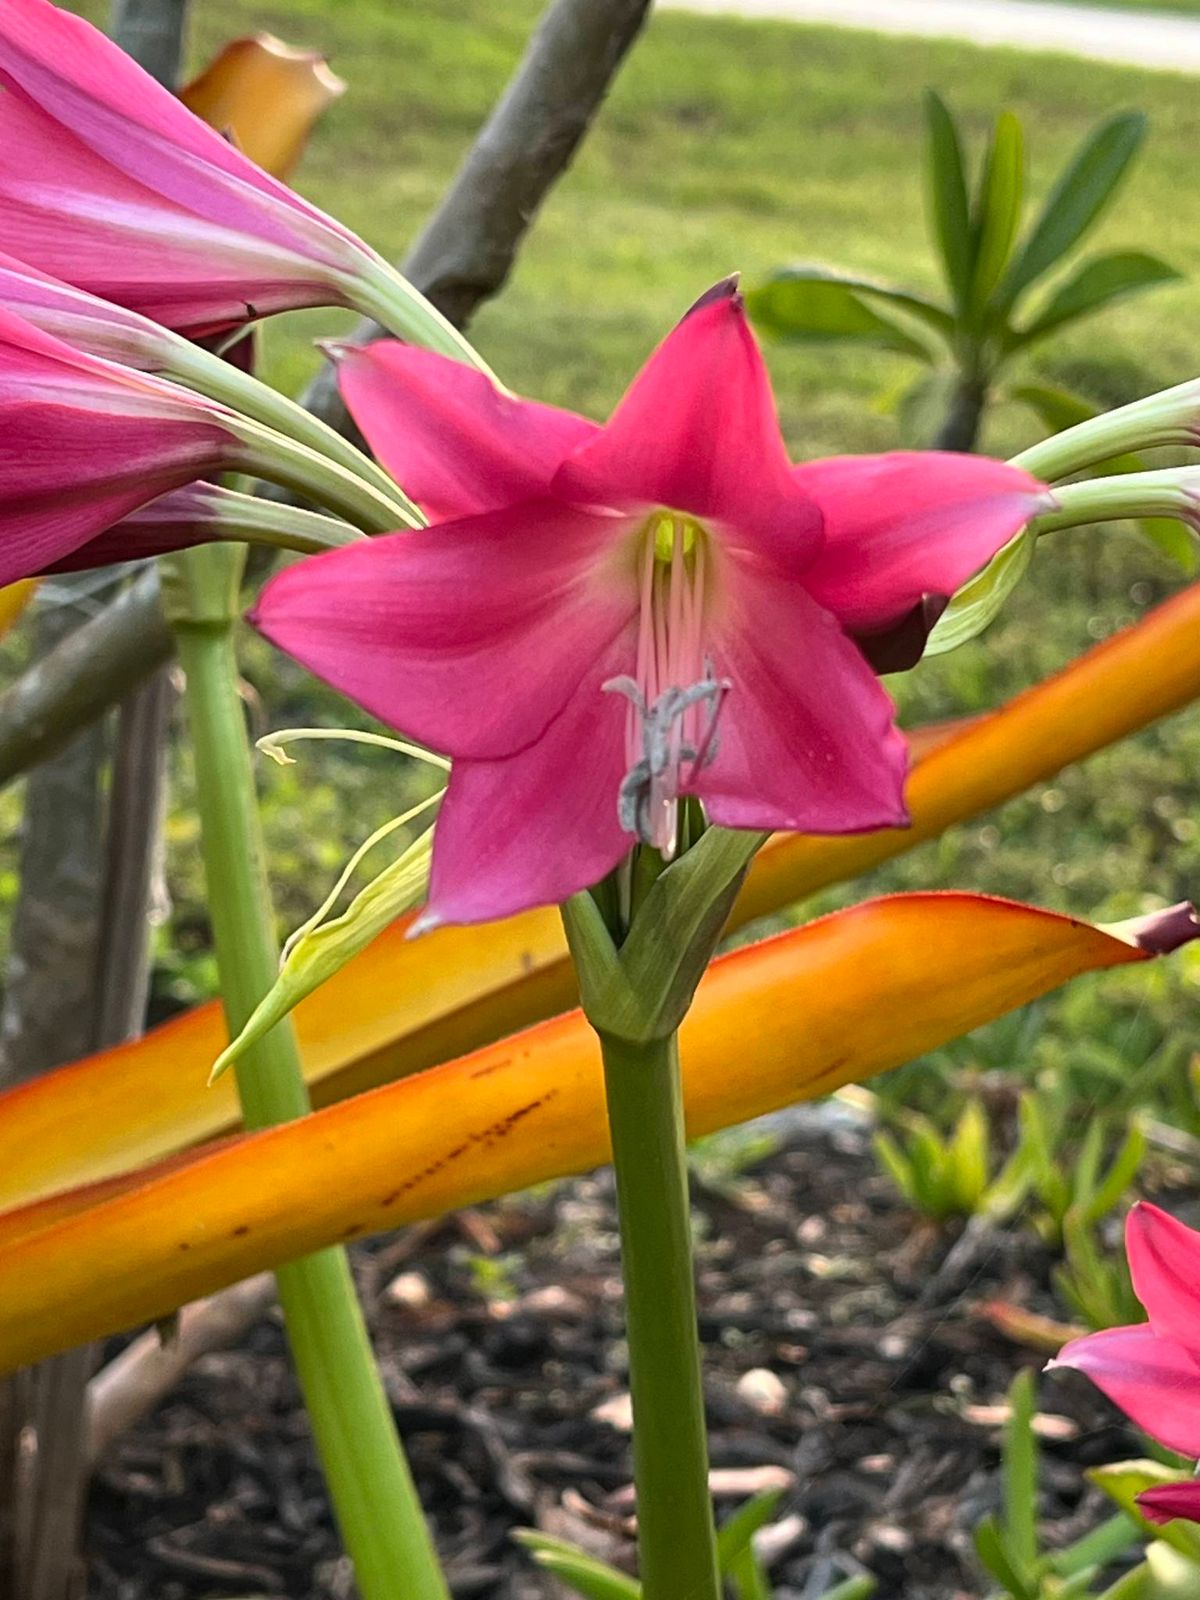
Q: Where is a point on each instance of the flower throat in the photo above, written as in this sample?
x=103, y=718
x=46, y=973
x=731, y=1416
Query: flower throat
x=674, y=696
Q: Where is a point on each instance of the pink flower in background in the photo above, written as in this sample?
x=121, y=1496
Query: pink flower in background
x=108, y=182
x=1152, y=1370
x=605, y=620
x=84, y=442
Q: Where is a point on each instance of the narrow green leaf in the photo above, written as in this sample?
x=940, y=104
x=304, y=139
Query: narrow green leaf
x=1083, y=190
x=1097, y=1548
x=897, y=1166
x=969, y=1150
x=1020, y=1473
x=1124, y=1169
x=860, y=1587
x=1094, y=284
x=997, y=208
x=947, y=192
x=991, y=1550
x=747, y=1576
x=593, y=1579
x=817, y=304
x=738, y=1530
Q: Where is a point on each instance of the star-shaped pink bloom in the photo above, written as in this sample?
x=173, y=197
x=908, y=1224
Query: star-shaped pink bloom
x=1152, y=1369
x=602, y=621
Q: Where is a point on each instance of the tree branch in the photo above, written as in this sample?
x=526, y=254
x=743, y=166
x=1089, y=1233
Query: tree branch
x=462, y=257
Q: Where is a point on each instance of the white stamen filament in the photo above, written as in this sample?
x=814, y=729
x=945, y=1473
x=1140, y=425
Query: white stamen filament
x=674, y=699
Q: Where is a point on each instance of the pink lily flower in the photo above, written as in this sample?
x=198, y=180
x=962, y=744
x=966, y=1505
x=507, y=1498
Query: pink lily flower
x=107, y=181
x=84, y=442
x=606, y=620
x=1152, y=1370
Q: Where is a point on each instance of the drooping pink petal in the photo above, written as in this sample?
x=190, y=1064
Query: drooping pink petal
x=536, y=828
x=110, y=183
x=1167, y=1501
x=1164, y=1261
x=470, y=635
x=1154, y=1381
x=454, y=441
x=807, y=739
x=84, y=442
x=901, y=526
x=698, y=432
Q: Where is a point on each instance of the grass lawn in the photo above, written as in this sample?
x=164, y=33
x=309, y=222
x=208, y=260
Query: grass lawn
x=728, y=145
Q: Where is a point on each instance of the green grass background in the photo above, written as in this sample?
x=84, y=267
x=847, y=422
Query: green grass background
x=742, y=145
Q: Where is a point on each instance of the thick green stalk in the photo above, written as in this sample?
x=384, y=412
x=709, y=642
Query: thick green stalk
x=369, y=1481
x=676, y=1543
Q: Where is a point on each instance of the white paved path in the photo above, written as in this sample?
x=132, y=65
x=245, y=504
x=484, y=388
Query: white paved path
x=1138, y=38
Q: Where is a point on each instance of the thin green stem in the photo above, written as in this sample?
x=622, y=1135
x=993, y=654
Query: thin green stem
x=371, y=1487
x=676, y=1543
x=1171, y=417
x=208, y=374
x=270, y=455
x=379, y=291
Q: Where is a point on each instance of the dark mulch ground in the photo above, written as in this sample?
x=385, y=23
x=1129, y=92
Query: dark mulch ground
x=847, y=1357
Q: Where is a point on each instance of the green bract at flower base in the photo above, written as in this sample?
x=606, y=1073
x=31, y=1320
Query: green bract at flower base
x=318, y=949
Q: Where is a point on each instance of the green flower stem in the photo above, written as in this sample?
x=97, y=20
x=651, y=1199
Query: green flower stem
x=1172, y=492
x=251, y=519
x=369, y=1480
x=676, y=1542
x=263, y=453
x=206, y=373
x=379, y=291
x=1171, y=417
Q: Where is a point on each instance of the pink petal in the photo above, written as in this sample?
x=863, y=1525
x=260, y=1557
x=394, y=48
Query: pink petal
x=470, y=635
x=807, y=739
x=1164, y=1260
x=898, y=527
x=1170, y=1500
x=1154, y=1381
x=536, y=828
x=456, y=442
x=698, y=432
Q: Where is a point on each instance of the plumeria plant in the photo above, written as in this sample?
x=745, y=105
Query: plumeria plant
x=642, y=647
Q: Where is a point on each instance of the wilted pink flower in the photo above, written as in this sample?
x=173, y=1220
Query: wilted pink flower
x=608, y=619
x=83, y=442
x=1152, y=1370
x=107, y=181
